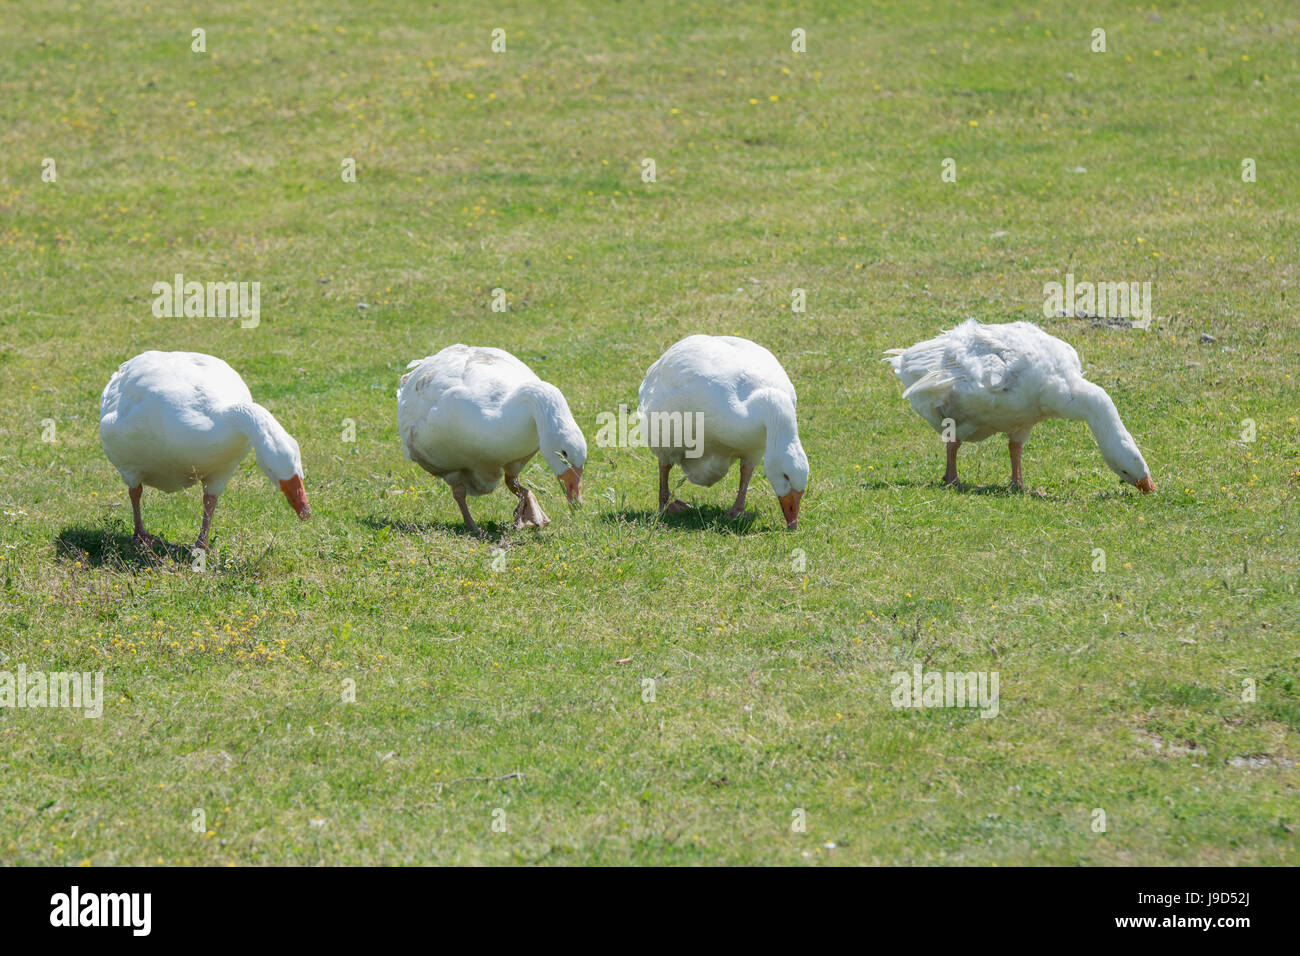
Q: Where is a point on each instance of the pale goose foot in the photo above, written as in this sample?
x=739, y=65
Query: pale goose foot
x=528, y=513
x=668, y=505
x=458, y=492
x=141, y=537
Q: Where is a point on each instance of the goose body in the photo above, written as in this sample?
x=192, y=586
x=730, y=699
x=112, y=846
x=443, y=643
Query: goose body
x=710, y=401
x=474, y=415
x=980, y=380
x=173, y=419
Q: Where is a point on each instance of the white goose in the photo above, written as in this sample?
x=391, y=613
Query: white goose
x=170, y=419
x=981, y=380
x=711, y=400
x=469, y=415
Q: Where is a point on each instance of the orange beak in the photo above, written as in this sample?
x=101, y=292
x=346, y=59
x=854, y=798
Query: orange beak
x=297, y=495
x=790, y=508
x=1146, y=484
x=572, y=481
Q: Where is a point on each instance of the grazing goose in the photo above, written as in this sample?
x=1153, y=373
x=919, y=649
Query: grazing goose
x=980, y=380
x=469, y=415
x=169, y=419
x=711, y=400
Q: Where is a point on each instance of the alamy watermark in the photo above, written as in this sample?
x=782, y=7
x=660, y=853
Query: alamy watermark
x=130, y=910
x=78, y=690
x=653, y=430
x=921, y=689
x=1109, y=300
x=209, y=300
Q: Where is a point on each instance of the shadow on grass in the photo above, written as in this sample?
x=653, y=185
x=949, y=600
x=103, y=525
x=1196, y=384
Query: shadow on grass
x=1006, y=491
x=880, y=484
x=107, y=546
x=962, y=488
x=703, y=518
x=996, y=491
x=494, y=529
x=1120, y=493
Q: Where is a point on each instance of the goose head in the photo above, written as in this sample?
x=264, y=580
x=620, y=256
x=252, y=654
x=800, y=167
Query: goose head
x=279, y=458
x=786, y=466
x=1122, y=455
x=784, y=461
x=566, y=457
x=1118, y=449
x=561, y=442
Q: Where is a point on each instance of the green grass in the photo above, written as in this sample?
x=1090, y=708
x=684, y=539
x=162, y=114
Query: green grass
x=521, y=690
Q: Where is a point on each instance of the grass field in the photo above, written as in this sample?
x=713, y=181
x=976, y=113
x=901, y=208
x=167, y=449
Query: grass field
x=513, y=693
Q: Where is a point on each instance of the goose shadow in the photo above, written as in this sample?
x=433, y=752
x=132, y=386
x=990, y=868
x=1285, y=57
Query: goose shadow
x=108, y=546
x=1118, y=494
x=420, y=528
x=702, y=518
x=881, y=484
x=993, y=491
x=962, y=488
